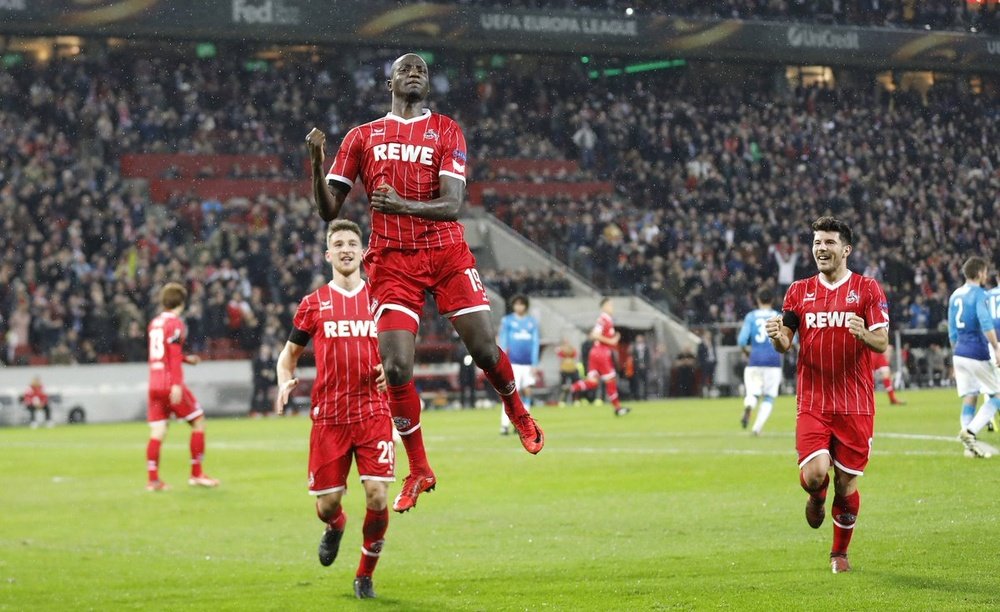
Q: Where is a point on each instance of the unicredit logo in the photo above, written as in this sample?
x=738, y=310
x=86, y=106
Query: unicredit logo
x=799, y=36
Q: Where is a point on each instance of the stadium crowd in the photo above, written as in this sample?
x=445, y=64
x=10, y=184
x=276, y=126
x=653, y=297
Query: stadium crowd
x=713, y=188
x=937, y=14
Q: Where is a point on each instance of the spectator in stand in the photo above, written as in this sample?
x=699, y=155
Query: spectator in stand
x=707, y=360
x=265, y=378
x=641, y=359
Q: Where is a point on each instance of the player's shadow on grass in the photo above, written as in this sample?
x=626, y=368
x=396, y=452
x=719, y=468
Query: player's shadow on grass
x=942, y=585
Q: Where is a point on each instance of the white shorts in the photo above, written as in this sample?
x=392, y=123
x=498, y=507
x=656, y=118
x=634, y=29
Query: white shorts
x=973, y=377
x=524, y=376
x=760, y=380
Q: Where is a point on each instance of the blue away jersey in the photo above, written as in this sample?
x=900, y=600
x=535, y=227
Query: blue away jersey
x=754, y=335
x=519, y=338
x=968, y=318
x=993, y=305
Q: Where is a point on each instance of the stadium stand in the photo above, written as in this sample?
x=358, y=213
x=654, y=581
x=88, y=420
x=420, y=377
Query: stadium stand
x=120, y=171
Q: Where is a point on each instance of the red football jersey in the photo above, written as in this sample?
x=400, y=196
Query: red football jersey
x=410, y=155
x=346, y=348
x=605, y=327
x=834, y=368
x=166, y=351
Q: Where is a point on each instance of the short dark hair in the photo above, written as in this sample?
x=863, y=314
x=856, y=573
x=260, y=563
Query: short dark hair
x=173, y=295
x=764, y=296
x=520, y=298
x=973, y=266
x=832, y=224
x=341, y=225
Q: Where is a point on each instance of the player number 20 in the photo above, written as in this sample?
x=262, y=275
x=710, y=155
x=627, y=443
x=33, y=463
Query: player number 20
x=387, y=452
x=474, y=280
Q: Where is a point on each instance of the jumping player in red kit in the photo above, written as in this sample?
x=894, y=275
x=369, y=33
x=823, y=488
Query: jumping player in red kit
x=600, y=359
x=841, y=318
x=412, y=164
x=349, y=412
x=167, y=392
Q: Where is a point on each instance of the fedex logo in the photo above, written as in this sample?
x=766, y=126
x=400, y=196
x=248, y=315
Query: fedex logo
x=404, y=152
x=347, y=329
x=827, y=319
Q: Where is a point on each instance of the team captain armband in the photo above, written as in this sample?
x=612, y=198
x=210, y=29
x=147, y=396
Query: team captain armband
x=790, y=320
x=297, y=336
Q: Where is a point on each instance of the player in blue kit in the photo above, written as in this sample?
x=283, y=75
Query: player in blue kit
x=976, y=354
x=519, y=338
x=762, y=376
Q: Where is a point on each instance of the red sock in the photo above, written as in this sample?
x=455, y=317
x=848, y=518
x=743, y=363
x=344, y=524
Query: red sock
x=585, y=384
x=845, y=513
x=611, y=386
x=820, y=493
x=337, y=521
x=153, y=459
x=404, y=403
x=376, y=523
x=887, y=383
x=197, y=452
x=501, y=376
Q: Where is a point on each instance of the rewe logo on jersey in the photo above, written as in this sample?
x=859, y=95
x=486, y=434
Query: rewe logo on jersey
x=827, y=319
x=349, y=329
x=404, y=152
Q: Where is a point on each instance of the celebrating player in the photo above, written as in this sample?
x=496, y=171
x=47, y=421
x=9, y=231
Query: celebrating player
x=519, y=338
x=412, y=164
x=762, y=376
x=600, y=360
x=976, y=353
x=841, y=317
x=349, y=412
x=167, y=391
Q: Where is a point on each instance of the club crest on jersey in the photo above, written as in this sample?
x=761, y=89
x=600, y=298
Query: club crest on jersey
x=431, y=135
x=852, y=297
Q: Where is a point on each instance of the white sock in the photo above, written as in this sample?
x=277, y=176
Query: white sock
x=504, y=419
x=763, y=414
x=986, y=412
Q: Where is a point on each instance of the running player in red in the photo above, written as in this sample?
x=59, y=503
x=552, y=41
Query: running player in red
x=412, y=165
x=882, y=371
x=167, y=391
x=601, y=361
x=841, y=318
x=349, y=412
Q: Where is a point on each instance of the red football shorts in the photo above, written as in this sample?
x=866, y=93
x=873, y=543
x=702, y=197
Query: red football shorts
x=599, y=360
x=398, y=278
x=847, y=437
x=331, y=448
x=160, y=407
x=879, y=360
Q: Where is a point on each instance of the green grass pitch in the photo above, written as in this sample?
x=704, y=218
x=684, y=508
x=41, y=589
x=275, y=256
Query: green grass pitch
x=673, y=507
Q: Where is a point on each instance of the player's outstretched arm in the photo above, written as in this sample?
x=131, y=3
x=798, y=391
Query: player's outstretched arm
x=446, y=207
x=287, y=360
x=328, y=202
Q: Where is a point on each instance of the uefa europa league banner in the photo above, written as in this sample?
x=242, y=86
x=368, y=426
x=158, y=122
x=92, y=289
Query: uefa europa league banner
x=426, y=25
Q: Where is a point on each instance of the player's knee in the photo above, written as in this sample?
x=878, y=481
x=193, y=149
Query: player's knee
x=484, y=352
x=398, y=369
x=326, y=507
x=812, y=480
x=376, y=498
